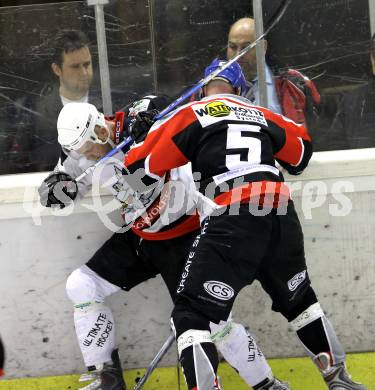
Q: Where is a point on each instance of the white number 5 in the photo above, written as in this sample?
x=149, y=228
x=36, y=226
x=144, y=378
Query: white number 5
x=237, y=140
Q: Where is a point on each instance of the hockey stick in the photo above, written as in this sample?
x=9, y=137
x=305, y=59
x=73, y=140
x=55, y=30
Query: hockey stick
x=155, y=361
x=278, y=15
x=178, y=371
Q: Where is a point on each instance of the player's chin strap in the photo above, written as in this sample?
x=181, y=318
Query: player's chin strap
x=127, y=141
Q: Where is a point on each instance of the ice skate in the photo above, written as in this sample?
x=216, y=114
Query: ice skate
x=336, y=376
x=107, y=377
x=340, y=379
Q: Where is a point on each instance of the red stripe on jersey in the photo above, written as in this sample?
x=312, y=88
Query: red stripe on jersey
x=164, y=152
x=292, y=151
x=288, y=125
x=188, y=226
x=264, y=193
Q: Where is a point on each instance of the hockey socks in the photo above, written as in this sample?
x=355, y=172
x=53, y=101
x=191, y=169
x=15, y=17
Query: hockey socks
x=241, y=351
x=95, y=331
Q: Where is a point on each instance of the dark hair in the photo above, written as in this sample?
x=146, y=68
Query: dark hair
x=66, y=42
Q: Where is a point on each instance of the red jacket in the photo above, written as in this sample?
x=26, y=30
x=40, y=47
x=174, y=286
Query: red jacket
x=298, y=95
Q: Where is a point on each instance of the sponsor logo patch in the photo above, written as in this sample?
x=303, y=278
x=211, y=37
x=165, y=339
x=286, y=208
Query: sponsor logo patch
x=217, y=109
x=296, y=280
x=219, y=290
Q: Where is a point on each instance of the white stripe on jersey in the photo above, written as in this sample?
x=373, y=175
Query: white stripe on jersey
x=232, y=174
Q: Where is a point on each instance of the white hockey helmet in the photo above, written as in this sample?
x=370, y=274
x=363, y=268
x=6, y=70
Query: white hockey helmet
x=76, y=125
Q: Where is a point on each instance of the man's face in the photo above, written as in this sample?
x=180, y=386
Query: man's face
x=239, y=37
x=94, y=151
x=76, y=73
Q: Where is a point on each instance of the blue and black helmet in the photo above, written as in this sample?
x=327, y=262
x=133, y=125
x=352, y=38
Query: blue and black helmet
x=232, y=74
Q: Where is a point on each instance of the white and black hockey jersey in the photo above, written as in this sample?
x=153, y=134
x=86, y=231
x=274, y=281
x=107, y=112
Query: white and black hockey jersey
x=168, y=211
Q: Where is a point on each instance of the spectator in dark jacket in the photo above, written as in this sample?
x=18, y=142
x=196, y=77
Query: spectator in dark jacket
x=35, y=146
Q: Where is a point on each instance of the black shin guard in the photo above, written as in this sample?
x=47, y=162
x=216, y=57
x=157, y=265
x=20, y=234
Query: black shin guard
x=314, y=337
x=317, y=334
x=314, y=329
x=200, y=362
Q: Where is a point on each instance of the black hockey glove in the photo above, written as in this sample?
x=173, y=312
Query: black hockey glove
x=58, y=190
x=140, y=124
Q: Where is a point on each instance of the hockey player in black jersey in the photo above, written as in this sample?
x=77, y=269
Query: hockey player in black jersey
x=157, y=244
x=252, y=231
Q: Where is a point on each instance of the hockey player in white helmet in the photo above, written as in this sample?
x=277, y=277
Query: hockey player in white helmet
x=154, y=245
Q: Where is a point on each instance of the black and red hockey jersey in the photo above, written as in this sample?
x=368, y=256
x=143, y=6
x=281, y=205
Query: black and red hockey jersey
x=232, y=145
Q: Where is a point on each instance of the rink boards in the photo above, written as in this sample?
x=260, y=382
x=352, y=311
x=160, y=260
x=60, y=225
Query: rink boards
x=335, y=199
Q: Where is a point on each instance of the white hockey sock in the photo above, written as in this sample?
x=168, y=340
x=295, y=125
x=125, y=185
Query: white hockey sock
x=95, y=331
x=241, y=351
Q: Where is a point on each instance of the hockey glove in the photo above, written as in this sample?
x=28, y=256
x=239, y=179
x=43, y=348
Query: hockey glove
x=139, y=125
x=58, y=190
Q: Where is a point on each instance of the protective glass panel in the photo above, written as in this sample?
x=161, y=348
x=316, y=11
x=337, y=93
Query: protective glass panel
x=327, y=42
x=30, y=99
x=33, y=92
x=330, y=43
x=164, y=46
x=129, y=50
